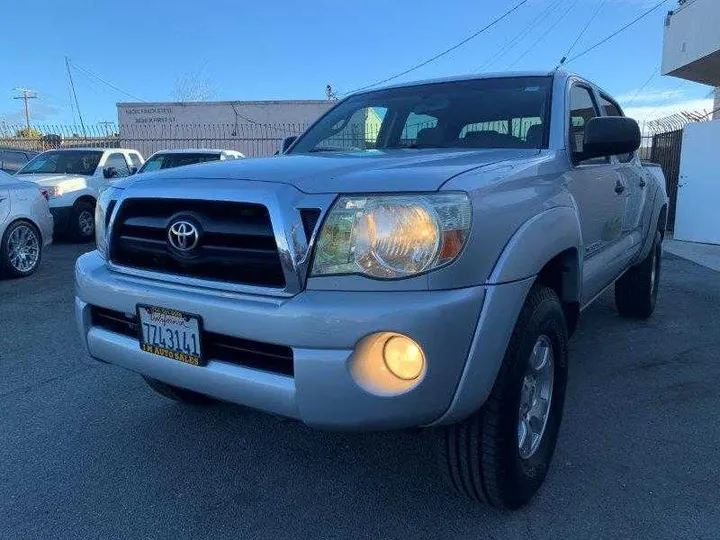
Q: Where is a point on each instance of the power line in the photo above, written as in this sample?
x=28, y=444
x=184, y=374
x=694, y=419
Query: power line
x=106, y=83
x=72, y=87
x=446, y=51
x=520, y=36
x=628, y=25
x=637, y=93
x=582, y=32
x=544, y=35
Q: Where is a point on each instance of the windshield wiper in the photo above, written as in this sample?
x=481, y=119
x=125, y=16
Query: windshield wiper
x=327, y=149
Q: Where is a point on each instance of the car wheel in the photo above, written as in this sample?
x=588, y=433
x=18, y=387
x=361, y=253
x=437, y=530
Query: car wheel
x=502, y=453
x=179, y=394
x=636, y=291
x=20, y=250
x=82, y=221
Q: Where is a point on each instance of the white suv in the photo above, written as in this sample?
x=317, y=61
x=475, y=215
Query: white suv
x=73, y=178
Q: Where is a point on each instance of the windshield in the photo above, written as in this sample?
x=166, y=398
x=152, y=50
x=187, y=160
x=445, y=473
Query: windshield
x=508, y=112
x=64, y=162
x=169, y=161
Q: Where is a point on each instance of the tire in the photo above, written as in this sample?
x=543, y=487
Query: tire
x=26, y=233
x=181, y=395
x=482, y=455
x=636, y=291
x=81, y=229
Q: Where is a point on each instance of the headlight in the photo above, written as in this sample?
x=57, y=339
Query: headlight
x=54, y=192
x=392, y=236
x=103, y=210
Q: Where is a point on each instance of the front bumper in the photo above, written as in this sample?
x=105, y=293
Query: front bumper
x=321, y=327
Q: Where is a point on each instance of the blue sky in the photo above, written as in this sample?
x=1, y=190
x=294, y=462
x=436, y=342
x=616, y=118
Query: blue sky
x=291, y=49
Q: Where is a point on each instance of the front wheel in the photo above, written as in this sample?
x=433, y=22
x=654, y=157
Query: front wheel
x=502, y=453
x=20, y=250
x=82, y=221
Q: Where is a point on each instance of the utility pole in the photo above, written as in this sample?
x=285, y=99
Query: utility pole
x=72, y=87
x=27, y=95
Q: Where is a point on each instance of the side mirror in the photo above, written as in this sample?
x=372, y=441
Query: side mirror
x=133, y=170
x=610, y=136
x=287, y=142
x=110, y=172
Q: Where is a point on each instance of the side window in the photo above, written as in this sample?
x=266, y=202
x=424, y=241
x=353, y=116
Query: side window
x=414, y=124
x=610, y=108
x=135, y=160
x=582, y=110
x=117, y=160
x=11, y=161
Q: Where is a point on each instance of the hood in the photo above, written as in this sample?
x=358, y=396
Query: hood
x=51, y=179
x=341, y=172
x=13, y=182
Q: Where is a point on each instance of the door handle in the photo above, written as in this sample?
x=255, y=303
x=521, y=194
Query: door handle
x=619, y=188
x=642, y=183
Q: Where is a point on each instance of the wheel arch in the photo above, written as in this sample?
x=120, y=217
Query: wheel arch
x=27, y=219
x=527, y=258
x=658, y=223
x=532, y=251
x=85, y=199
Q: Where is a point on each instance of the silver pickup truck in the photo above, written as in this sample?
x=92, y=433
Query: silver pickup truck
x=418, y=257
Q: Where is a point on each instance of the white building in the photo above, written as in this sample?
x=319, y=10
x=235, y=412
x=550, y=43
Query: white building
x=691, y=44
x=691, y=51
x=252, y=127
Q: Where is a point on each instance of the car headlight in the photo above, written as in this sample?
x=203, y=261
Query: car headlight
x=103, y=210
x=54, y=192
x=392, y=236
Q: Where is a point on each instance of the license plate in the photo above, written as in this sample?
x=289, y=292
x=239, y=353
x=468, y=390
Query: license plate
x=169, y=333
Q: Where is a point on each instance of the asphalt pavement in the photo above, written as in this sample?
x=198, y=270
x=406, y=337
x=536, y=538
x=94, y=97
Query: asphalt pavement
x=87, y=451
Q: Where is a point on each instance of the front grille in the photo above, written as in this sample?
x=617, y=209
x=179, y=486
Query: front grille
x=236, y=241
x=242, y=352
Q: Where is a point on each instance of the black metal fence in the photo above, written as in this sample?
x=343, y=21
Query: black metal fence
x=666, y=151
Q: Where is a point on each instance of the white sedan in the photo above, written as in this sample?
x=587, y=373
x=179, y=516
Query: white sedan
x=26, y=226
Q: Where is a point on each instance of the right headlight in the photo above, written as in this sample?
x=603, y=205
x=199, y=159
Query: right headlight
x=392, y=236
x=103, y=210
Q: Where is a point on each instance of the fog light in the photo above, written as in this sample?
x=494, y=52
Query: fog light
x=403, y=357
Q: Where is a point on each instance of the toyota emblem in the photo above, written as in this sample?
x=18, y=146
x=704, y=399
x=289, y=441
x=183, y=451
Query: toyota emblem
x=183, y=235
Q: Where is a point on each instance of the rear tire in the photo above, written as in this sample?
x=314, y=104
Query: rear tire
x=181, y=395
x=486, y=458
x=20, y=250
x=82, y=221
x=636, y=291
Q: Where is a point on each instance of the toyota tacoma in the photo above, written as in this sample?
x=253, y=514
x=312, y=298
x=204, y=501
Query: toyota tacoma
x=418, y=257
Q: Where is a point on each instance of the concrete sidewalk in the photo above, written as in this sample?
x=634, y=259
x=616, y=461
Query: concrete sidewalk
x=707, y=255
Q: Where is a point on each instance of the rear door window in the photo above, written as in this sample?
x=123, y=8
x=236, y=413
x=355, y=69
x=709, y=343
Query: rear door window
x=582, y=110
x=610, y=108
x=117, y=160
x=135, y=160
